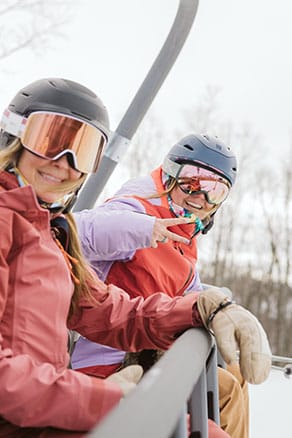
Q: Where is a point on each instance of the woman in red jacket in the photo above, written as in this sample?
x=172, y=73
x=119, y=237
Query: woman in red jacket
x=52, y=135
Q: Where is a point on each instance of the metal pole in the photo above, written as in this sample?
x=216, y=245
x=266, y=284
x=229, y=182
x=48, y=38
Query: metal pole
x=198, y=406
x=126, y=129
x=181, y=429
x=212, y=386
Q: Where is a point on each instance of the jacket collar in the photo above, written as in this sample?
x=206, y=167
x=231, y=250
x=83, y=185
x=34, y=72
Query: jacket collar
x=156, y=175
x=20, y=199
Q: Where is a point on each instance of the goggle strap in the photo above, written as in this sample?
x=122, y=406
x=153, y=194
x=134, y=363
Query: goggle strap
x=171, y=168
x=12, y=123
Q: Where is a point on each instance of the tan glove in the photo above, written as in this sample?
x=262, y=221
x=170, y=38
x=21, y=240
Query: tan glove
x=127, y=378
x=236, y=328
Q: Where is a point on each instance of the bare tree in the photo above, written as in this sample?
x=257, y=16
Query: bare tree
x=31, y=24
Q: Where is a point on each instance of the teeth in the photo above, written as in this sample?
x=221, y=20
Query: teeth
x=197, y=206
x=50, y=177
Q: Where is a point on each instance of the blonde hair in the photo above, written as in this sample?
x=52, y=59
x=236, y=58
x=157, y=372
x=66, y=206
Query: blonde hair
x=171, y=183
x=81, y=269
x=10, y=155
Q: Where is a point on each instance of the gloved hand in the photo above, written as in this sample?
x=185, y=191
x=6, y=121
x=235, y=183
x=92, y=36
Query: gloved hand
x=236, y=328
x=127, y=378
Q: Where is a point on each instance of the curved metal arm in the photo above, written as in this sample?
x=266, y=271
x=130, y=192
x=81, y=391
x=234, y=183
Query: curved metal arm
x=127, y=127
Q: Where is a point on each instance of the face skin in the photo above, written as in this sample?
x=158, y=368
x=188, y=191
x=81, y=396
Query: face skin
x=45, y=175
x=195, y=203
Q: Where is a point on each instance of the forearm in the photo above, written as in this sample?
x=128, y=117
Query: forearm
x=136, y=324
x=102, y=228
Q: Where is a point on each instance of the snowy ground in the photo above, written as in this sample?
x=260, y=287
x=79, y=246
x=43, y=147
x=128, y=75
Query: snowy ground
x=271, y=407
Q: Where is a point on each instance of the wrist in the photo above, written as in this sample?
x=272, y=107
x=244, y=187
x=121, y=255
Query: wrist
x=197, y=320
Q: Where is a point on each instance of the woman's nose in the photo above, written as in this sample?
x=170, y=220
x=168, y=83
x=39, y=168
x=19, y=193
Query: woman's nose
x=199, y=195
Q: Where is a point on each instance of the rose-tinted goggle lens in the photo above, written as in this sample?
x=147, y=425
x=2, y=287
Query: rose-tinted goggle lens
x=196, y=180
x=51, y=135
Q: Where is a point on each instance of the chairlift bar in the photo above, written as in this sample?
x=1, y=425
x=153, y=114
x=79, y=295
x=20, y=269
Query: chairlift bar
x=156, y=404
x=281, y=359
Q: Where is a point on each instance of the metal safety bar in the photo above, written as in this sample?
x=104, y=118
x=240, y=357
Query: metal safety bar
x=284, y=359
x=183, y=380
x=286, y=367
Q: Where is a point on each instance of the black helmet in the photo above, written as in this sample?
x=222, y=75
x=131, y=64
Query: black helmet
x=203, y=151
x=62, y=96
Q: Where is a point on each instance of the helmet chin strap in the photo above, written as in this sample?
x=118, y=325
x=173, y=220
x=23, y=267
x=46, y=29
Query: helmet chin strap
x=60, y=206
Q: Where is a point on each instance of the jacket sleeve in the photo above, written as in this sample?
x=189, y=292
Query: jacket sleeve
x=120, y=220
x=134, y=324
x=34, y=393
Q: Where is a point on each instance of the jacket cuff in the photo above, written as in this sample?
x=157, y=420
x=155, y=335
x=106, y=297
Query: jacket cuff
x=105, y=396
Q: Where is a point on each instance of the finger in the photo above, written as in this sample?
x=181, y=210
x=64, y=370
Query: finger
x=176, y=221
x=153, y=242
x=177, y=238
x=132, y=373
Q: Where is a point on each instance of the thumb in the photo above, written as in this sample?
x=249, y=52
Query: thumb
x=237, y=327
x=127, y=378
x=254, y=350
x=132, y=373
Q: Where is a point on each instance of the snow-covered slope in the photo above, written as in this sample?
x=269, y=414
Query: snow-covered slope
x=271, y=407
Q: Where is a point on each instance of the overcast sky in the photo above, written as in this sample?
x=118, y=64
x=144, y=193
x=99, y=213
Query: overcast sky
x=243, y=47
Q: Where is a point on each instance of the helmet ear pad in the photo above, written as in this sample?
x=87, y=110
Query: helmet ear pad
x=6, y=139
x=209, y=224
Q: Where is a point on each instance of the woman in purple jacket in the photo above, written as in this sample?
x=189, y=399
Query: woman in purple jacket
x=129, y=241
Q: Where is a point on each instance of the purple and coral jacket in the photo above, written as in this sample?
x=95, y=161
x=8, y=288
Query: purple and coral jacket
x=116, y=239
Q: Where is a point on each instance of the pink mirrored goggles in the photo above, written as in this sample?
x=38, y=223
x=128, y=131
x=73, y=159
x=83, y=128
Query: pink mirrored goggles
x=196, y=180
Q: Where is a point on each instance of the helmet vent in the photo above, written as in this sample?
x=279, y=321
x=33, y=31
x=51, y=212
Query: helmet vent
x=25, y=94
x=188, y=147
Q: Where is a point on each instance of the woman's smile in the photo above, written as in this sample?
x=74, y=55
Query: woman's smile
x=47, y=176
x=50, y=178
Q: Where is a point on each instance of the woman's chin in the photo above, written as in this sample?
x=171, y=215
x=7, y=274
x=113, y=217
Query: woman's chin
x=46, y=197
